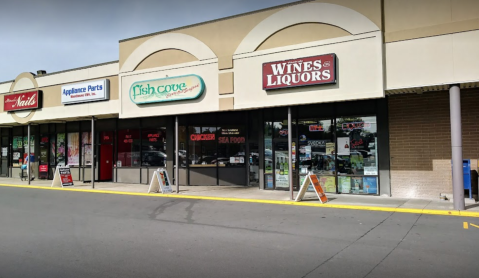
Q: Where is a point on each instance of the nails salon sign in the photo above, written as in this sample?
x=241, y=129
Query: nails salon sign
x=300, y=72
x=167, y=89
x=21, y=101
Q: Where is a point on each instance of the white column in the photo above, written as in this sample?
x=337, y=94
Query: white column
x=456, y=144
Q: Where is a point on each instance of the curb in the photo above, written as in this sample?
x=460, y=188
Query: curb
x=291, y=203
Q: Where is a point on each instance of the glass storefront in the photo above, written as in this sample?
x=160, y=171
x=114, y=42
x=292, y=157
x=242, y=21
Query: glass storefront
x=341, y=151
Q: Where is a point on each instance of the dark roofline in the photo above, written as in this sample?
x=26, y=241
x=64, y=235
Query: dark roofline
x=219, y=19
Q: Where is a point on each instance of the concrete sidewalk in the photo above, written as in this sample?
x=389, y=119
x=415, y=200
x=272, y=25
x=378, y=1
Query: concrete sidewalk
x=253, y=193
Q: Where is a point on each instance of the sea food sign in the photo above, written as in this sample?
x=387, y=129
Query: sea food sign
x=300, y=72
x=167, y=89
x=21, y=101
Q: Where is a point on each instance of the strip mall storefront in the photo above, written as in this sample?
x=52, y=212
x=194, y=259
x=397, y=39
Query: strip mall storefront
x=259, y=99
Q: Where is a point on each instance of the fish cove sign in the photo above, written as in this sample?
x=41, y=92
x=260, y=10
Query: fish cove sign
x=167, y=89
x=21, y=101
x=300, y=72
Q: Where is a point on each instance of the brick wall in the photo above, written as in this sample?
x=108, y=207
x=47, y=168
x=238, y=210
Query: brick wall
x=420, y=142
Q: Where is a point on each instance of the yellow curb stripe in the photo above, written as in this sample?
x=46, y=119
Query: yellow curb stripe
x=292, y=203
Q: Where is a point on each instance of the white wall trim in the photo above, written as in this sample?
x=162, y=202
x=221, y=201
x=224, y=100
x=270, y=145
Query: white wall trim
x=342, y=17
x=160, y=42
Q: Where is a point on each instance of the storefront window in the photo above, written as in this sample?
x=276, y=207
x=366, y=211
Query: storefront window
x=60, y=155
x=53, y=140
x=153, y=147
x=268, y=148
x=231, y=146
x=17, y=147
x=202, y=146
x=32, y=148
x=182, y=140
x=128, y=148
x=73, y=153
x=86, y=148
x=357, y=154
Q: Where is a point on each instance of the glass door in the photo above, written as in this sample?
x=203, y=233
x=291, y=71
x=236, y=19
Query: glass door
x=4, y=157
x=317, y=151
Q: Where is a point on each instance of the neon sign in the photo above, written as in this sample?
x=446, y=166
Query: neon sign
x=153, y=137
x=315, y=128
x=202, y=137
x=233, y=140
x=355, y=125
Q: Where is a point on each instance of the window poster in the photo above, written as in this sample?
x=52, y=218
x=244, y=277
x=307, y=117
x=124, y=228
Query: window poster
x=53, y=156
x=357, y=163
x=343, y=146
x=328, y=183
x=344, y=184
x=357, y=184
x=370, y=185
x=73, y=149
x=32, y=148
x=60, y=149
x=86, y=147
x=330, y=148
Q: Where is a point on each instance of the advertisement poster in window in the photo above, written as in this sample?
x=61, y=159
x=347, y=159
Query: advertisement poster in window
x=60, y=149
x=357, y=163
x=86, y=144
x=73, y=149
x=370, y=185
x=330, y=148
x=329, y=183
x=53, y=141
x=357, y=185
x=32, y=144
x=343, y=146
x=344, y=184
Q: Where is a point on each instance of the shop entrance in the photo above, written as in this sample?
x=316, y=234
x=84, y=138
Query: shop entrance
x=4, y=158
x=106, y=156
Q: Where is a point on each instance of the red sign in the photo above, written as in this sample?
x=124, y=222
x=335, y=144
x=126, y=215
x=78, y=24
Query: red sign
x=355, y=125
x=202, y=137
x=314, y=128
x=233, y=140
x=21, y=101
x=300, y=72
x=65, y=176
x=43, y=168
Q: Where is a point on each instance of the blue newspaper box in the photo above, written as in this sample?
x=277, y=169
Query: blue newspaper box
x=466, y=174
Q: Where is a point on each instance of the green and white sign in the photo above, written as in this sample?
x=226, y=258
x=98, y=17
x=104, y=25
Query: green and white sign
x=167, y=89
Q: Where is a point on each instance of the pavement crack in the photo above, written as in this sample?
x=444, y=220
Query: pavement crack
x=346, y=247
x=402, y=239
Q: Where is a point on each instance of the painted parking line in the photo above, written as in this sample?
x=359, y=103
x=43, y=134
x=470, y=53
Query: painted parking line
x=277, y=202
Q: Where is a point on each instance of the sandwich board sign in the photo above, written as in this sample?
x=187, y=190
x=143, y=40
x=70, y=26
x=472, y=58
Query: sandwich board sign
x=318, y=189
x=160, y=181
x=62, y=177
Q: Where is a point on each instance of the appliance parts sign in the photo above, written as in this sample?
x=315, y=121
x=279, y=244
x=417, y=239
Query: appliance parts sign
x=86, y=92
x=167, y=89
x=300, y=72
x=22, y=101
